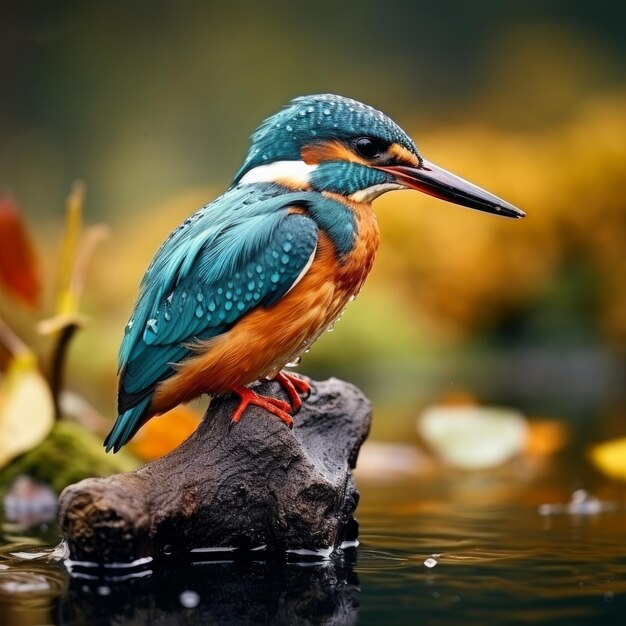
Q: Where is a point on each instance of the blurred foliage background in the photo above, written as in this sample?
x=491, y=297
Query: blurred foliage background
x=151, y=104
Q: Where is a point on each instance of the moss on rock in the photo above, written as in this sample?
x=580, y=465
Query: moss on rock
x=69, y=454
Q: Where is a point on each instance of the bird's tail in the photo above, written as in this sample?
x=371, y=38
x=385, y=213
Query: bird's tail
x=126, y=425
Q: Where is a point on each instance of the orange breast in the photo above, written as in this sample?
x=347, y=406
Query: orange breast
x=263, y=341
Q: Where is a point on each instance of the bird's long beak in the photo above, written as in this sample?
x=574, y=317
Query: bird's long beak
x=436, y=181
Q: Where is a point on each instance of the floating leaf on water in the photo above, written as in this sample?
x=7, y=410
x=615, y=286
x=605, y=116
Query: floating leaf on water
x=610, y=457
x=26, y=408
x=473, y=437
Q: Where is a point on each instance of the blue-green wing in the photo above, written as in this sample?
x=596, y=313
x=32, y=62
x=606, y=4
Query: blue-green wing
x=224, y=261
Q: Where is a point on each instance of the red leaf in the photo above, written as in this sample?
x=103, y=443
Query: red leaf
x=19, y=270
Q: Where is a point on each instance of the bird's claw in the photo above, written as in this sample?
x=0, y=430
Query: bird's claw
x=276, y=407
x=294, y=386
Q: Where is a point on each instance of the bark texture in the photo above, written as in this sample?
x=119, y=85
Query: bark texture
x=254, y=486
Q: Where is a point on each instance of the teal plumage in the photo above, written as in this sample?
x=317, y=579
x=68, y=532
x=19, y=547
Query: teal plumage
x=241, y=251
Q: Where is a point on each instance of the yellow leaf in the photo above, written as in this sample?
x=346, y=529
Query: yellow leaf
x=162, y=434
x=610, y=457
x=26, y=408
x=66, y=298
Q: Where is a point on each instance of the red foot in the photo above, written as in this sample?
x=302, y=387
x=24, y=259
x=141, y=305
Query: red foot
x=293, y=386
x=272, y=405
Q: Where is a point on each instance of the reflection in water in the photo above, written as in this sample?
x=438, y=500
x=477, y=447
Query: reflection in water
x=40, y=590
x=219, y=593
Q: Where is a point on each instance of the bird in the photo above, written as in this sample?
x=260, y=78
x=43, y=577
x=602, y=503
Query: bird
x=249, y=282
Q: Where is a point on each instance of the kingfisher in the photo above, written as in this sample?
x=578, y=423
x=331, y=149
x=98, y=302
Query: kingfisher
x=246, y=284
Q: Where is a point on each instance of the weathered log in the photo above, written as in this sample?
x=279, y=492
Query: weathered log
x=254, y=486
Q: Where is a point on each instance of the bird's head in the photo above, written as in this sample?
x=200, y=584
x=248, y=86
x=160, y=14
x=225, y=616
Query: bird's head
x=336, y=144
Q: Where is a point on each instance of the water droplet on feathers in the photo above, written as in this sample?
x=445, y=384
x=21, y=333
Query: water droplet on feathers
x=289, y=128
x=275, y=277
x=294, y=362
x=199, y=311
x=228, y=305
x=430, y=562
x=326, y=111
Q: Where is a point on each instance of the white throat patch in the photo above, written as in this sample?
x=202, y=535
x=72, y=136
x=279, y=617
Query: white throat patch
x=296, y=172
x=371, y=193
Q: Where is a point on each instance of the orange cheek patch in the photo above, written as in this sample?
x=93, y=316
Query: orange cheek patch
x=402, y=155
x=315, y=153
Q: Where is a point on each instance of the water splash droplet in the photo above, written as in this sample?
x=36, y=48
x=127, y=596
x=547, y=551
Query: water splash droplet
x=189, y=599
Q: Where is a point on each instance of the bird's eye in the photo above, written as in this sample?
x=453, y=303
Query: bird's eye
x=369, y=148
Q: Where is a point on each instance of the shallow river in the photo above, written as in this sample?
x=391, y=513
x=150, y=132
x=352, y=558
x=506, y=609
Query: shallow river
x=438, y=548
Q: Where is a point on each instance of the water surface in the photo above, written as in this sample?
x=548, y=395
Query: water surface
x=494, y=559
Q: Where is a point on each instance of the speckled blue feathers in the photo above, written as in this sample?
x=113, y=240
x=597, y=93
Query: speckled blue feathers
x=243, y=250
x=318, y=117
